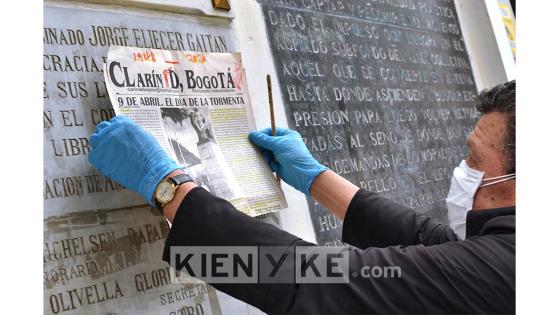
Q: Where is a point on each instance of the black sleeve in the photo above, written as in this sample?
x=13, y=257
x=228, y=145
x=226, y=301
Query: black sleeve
x=445, y=278
x=374, y=221
x=205, y=220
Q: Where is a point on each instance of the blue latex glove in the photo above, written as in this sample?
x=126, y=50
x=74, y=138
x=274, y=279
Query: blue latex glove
x=125, y=152
x=287, y=155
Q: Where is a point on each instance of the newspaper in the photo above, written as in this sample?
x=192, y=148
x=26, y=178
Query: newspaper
x=197, y=106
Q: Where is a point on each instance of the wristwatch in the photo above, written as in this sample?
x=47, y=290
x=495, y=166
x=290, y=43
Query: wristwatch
x=165, y=190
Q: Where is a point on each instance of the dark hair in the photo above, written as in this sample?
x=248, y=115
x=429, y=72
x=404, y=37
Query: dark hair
x=501, y=99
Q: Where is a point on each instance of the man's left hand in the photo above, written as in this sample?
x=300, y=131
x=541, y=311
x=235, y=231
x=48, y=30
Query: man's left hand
x=128, y=154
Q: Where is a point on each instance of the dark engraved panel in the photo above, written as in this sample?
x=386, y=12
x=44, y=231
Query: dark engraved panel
x=381, y=91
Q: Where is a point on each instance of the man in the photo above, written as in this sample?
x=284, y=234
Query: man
x=440, y=274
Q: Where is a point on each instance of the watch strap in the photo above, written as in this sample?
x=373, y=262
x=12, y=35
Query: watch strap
x=180, y=179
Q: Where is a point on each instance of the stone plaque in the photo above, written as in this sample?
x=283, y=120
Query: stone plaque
x=102, y=243
x=381, y=91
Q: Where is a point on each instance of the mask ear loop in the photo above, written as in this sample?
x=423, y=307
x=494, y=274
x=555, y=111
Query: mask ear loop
x=497, y=179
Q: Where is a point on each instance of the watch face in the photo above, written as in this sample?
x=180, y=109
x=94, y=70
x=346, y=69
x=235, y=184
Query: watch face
x=165, y=192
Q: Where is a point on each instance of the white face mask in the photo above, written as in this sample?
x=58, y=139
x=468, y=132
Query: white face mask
x=464, y=184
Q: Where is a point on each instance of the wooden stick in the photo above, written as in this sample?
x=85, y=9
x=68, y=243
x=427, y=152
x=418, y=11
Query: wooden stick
x=271, y=108
x=271, y=105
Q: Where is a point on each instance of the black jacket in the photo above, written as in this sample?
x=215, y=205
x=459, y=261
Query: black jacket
x=439, y=274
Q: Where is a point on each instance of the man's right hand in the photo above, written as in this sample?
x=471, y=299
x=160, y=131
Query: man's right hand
x=287, y=155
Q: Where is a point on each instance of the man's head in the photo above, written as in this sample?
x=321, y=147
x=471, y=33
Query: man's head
x=492, y=145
